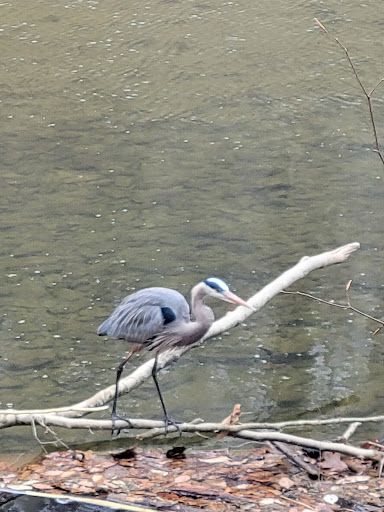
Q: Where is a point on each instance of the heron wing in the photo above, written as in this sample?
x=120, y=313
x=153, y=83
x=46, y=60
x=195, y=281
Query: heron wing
x=136, y=324
x=145, y=314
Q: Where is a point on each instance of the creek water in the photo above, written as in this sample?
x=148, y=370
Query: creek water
x=157, y=143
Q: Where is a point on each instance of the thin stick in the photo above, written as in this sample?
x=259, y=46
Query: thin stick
x=328, y=446
x=307, y=507
x=334, y=304
x=54, y=410
x=241, y=431
x=96, y=424
x=367, y=94
x=51, y=431
x=350, y=431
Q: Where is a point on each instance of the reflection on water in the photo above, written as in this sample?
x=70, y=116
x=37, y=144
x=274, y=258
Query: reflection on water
x=158, y=143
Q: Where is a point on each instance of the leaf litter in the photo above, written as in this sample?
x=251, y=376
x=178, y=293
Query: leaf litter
x=184, y=480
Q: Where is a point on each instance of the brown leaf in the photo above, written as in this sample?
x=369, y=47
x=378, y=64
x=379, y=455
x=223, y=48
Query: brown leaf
x=216, y=460
x=41, y=486
x=286, y=483
x=67, y=474
x=98, y=478
x=333, y=462
x=5, y=467
x=232, y=419
x=53, y=472
x=86, y=490
x=352, y=479
x=182, y=478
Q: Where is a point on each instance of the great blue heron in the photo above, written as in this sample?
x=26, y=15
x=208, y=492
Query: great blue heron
x=159, y=318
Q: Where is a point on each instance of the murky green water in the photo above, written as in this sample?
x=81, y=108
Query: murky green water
x=161, y=142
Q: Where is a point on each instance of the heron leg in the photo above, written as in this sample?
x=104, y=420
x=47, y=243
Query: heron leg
x=114, y=415
x=168, y=420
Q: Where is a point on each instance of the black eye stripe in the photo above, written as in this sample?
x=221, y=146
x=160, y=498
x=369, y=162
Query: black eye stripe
x=213, y=285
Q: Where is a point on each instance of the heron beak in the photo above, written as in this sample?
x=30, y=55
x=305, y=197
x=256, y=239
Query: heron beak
x=231, y=297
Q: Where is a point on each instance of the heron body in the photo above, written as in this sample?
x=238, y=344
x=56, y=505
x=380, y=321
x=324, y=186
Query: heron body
x=159, y=318
x=155, y=318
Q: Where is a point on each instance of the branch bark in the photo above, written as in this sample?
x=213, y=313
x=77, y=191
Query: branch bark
x=239, y=431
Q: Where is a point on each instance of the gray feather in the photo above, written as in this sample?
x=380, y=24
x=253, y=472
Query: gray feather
x=139, y=317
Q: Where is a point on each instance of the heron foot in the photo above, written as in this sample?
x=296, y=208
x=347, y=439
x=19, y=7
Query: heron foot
x=116, y=417
x=170, y=421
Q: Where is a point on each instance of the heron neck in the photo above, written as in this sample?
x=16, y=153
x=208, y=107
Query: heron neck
x=202, y=313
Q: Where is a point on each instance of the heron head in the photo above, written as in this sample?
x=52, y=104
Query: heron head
x=216, y=287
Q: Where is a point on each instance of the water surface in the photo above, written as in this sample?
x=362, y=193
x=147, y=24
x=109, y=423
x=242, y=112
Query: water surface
x=161, y=142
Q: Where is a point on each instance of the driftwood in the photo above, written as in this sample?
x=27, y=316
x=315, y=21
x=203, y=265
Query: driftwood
x=71, y=416
x=241, y=431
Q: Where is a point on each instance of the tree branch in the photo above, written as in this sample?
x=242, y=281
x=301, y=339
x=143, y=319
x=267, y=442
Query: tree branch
x=306, y=265
x=239, y=431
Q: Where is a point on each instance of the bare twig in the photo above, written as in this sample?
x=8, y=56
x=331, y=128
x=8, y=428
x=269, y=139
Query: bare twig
x=380, y=468
x=296, y=502
x=378, y=445
x=55, y=410
x=350, y=431
x=367, y=94
x=347, y=306
x=56, y=442
x=97, y=424
x=239, y=431
x=242, y=431
x=360, y=453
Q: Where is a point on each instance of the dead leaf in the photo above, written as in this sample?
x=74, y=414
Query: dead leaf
x=333, y=462
x=352, y=479
x=182, y=478
x=286, y=483
x=98, y=478
x=42, y=486
x=210, y=480
x=269, y=501
x=232, y=419
x=216, y=460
